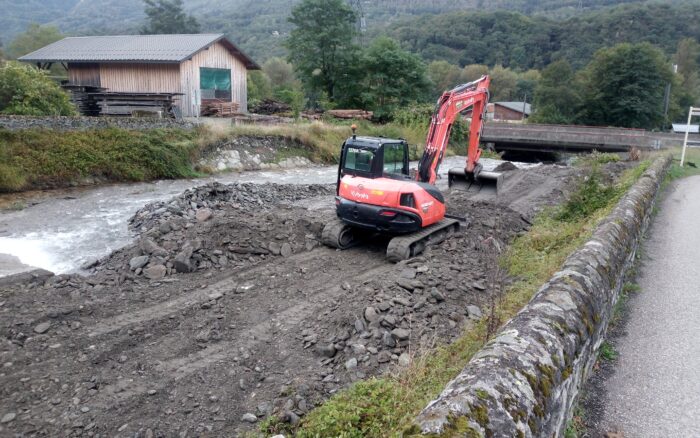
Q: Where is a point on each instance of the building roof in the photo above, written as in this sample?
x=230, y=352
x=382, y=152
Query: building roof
x=516, y=106
x=682, y=127
x=133, y=48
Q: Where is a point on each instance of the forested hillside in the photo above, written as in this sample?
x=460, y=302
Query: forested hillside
x=522, y=42
x=260, y=26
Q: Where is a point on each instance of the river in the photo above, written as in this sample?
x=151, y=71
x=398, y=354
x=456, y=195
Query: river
x=70, y=227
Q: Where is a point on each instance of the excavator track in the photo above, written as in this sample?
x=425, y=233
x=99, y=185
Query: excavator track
x=338, y=234
x=405, y=247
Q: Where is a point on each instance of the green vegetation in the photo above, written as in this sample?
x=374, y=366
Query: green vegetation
x=523, y=42
x=624, y=86
x=607, y=352
x=336, y=71
x=690, y=167
x=35, y=37
x=323, y=140
x=386, y=406
x=40, y=158
x=390, y=77
x=167, y=17
x=25, y=90
x=556, y=100
x=321, y=47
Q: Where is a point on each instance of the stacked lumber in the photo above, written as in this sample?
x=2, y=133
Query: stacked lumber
x=219, y=108
x=80, y=96
x=128, y=104
x=350, y=114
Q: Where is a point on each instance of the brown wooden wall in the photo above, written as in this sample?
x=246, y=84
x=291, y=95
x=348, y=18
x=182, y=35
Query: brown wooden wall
x=84, y=74
x=217, y=56
x=155, y=78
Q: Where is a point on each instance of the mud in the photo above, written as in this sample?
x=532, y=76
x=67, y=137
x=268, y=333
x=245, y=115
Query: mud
x=227, y=310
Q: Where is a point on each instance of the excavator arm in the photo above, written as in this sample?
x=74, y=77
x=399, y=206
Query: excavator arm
x=473, y=95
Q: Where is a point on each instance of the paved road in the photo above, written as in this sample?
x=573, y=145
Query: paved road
x=655, y=389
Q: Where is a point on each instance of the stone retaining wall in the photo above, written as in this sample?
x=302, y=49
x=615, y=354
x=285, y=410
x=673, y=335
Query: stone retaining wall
x=61, y=123
x=524, y=382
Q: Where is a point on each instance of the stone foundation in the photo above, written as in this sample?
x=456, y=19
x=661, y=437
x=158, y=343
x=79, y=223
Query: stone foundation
x=60, y=123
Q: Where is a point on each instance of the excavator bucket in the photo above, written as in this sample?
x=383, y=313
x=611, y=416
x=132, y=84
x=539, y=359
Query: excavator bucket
x=487, y=182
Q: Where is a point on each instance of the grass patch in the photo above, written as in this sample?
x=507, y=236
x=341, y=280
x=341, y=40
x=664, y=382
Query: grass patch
x=607, y=352
x=596, y=158
x=41, y=158
x=576, y=426
x=386, y=406
x=692, y=158
x=323, y=140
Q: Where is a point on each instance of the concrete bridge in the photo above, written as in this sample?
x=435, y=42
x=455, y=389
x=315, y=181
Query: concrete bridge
x=570, y=138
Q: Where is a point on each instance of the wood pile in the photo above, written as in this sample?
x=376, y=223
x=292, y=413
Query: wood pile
x=219, y=108
x=270, y=107
x=350, y=114
x=128, y=104
x=80, y=96
x=96, y=101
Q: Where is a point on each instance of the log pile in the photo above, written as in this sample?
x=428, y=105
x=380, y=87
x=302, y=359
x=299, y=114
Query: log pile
x=350, y=114
x=270, y=107
x=219, y=108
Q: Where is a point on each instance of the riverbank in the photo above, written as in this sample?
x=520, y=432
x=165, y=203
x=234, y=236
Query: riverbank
x=40, y=158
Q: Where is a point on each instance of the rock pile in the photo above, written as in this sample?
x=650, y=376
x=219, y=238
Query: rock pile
x=197, y=203
x=216, y=226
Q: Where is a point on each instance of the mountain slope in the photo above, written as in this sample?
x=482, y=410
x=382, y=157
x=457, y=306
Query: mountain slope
x=257, y=26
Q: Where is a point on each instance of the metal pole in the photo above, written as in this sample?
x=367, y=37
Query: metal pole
x=687, y=130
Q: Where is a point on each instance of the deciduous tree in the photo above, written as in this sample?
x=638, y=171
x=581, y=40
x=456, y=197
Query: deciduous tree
x=34, y=38
x=556, y=99
x=394, y=77
x=322, y=49
x=444, y=76
x=168, y=17
x=624, y=86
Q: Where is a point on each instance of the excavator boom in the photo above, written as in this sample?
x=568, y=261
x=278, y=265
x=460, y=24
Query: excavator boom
x=474, y=97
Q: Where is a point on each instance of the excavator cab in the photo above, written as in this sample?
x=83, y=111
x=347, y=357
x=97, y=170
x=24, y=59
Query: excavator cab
x=374, y=157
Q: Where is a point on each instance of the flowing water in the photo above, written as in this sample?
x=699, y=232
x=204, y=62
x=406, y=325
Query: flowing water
x=68, y=228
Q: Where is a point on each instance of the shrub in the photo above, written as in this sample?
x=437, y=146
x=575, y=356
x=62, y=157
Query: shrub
x=25, y=90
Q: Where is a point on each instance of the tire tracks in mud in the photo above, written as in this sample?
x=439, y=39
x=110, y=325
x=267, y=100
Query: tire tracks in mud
x=226, y=286
x=318, y=292
x=171, y=356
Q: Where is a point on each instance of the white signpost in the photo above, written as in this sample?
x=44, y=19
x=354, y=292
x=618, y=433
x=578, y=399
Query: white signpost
x=691, y=113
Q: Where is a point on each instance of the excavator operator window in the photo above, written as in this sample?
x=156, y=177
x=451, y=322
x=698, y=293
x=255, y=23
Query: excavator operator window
x=395, y=157
x=357, y=159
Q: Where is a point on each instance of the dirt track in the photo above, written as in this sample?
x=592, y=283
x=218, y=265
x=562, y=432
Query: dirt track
x=268, y=322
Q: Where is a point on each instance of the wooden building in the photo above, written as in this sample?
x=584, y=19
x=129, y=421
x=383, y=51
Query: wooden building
x=508, y=111
x=202, y=67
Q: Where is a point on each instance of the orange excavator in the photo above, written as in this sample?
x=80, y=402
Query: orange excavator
x=375, y=190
